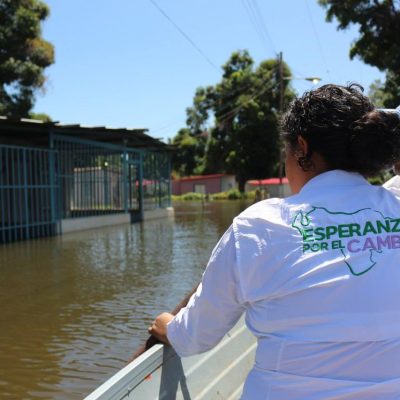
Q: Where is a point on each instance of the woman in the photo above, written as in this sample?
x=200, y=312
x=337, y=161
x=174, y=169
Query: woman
x=317, y=274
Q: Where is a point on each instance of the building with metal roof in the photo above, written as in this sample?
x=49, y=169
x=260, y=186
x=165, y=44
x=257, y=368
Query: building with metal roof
x=205, y=184
x=55, y=178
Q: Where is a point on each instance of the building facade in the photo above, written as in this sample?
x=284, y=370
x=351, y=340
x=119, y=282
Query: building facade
x=205, y=184
x=271, y=187
x=56, y=178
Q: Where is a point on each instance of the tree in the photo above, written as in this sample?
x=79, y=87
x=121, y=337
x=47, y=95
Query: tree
x=40, y=117
x=188, y=157
x=24, y=55
x=243, y=138
x=378, y=43
x=377, y=93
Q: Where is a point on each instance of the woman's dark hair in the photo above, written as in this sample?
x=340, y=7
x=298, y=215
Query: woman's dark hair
x=344, y=127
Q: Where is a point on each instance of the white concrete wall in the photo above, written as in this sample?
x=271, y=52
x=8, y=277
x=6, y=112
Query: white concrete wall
x=228, y=182
x=158, y=213
x=272, y=190
x=80, y=224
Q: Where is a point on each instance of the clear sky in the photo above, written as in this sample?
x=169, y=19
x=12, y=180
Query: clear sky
x=122, y=63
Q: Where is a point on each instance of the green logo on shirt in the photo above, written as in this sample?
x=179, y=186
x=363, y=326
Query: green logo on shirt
x=360, y=242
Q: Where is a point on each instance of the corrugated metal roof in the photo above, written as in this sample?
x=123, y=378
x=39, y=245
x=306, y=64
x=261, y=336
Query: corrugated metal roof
x=267, y=181
x=201, y=177
x=133, y=137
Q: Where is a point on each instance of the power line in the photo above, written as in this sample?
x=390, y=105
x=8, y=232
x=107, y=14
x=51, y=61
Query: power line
x=253, y=22
x=225, y=117
x=164, y=127
x=193, y=44
x=231, y=113
x=258, y=23
x=264, y=25
x=320, y=48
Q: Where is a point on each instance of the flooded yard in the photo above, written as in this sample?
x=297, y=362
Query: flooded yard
x=75, y=307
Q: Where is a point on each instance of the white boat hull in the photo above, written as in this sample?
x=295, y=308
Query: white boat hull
x=161, y=374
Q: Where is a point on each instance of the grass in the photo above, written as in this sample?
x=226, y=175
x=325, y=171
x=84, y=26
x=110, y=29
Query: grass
x=232, y=194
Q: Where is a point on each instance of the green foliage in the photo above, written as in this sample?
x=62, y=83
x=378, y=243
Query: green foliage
x=193, y=196
x=250, y=195
x=40, y=117
x=382, y=177
x=190, y=148
x=378, y=43
x=376, y=180
x=24, y=55
x=377, y=93
x=243, y=139
x=232, y=194
x=392, y=89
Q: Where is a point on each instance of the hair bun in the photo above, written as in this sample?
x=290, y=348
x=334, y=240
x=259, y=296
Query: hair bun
x=343, y=126
x=376, y=137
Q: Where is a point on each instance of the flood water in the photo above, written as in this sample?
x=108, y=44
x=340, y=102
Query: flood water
x=75, y=307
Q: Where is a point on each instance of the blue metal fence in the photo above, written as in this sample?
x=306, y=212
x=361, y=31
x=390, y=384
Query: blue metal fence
x=96, y=178
x=27, y=193
x=156, y=180
x=76, y=178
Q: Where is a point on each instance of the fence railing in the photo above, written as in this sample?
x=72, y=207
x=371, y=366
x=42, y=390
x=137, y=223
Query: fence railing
x=27, y=193
x=76, y=178
x=96, y=178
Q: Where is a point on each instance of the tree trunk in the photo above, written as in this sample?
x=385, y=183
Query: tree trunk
x=241, y=184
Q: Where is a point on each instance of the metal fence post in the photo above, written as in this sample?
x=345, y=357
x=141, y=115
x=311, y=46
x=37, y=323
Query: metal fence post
x=125, y=179
x=141, y=202
x=169, y=181
x=25, y=184
x=55, y=217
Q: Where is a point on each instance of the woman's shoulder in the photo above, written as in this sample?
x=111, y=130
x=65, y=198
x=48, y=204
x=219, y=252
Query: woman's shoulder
x=264, y=212
x=261, y=209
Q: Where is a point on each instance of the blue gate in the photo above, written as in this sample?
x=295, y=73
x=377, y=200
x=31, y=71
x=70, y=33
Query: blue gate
x=27, y=193
x=96, y=178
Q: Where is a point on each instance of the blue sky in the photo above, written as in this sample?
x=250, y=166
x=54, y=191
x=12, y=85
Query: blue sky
x=123, y=64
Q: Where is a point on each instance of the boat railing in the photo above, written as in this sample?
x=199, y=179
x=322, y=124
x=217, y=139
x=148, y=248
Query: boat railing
x=160, y=373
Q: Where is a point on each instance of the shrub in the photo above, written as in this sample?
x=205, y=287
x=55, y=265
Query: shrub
x=193, y=196
x=251, y=195
x=376, y=180
x=232, y=194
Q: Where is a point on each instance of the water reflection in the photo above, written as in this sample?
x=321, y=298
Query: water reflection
x=75, y=307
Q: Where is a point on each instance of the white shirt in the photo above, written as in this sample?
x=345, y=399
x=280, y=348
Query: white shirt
x=393, y=183
x=318, y=277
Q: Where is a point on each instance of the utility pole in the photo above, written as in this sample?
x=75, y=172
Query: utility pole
x=282, y=78
x=281, y=93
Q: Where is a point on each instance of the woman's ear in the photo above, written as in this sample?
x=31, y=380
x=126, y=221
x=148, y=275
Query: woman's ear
x=302, y=145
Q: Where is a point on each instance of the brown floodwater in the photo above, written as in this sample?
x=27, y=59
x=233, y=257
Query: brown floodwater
x=75, y=307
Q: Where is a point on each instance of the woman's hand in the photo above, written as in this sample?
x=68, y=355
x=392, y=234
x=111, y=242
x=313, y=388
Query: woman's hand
x=159, y=327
